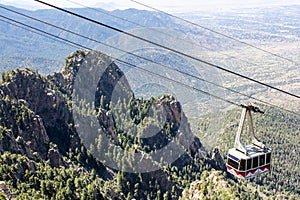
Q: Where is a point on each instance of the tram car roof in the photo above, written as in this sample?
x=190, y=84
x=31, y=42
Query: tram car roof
x=252, y=150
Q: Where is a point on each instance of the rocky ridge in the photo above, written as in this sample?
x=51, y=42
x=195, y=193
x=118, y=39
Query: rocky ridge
x=37, y=122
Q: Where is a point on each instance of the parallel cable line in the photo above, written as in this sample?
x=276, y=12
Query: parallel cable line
x=216, y=32
x=138, y=56
x=126, y=63
x=36, y=32
x=68, y=42
x=158, y=31
x=168, y=48
x=45, y=32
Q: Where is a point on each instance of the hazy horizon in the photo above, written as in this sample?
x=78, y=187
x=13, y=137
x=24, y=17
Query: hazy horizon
x=167, y=5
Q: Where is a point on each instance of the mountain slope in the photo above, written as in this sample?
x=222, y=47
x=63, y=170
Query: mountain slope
x=42, y=153
x=31, y=48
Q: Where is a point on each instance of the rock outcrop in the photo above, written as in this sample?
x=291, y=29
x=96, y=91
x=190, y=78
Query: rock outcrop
x=212, y=185
x=44, y=100
x=5, y=192
x=37, y=120
x=23, y=131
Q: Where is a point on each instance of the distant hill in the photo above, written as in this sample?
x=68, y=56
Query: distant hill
x=18, y=44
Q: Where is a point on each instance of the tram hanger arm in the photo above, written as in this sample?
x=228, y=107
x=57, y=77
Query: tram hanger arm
x=246, y=112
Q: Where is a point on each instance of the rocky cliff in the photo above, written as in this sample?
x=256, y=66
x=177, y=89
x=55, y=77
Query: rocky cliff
x=37, y=122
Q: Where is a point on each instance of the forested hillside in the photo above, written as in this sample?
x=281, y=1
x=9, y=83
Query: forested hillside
x=43, y=156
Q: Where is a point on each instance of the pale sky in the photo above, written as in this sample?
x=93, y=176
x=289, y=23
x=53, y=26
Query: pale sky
x=166, y=5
